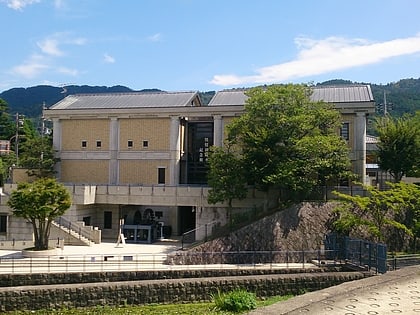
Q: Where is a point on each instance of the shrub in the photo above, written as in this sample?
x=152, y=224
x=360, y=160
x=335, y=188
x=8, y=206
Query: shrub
x=235, y=301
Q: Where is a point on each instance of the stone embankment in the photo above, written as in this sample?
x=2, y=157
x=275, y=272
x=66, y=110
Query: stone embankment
x=181, y=290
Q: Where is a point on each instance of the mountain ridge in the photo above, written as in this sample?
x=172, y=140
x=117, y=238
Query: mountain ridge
x=402, y=96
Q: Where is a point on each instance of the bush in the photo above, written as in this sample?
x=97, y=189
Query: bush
x=235, y=301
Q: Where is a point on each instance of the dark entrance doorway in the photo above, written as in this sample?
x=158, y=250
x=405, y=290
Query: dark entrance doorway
x=198, y=140
x=186, y=219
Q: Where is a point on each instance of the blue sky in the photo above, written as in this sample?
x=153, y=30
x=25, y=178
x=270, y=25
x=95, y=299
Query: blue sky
x=207, y=44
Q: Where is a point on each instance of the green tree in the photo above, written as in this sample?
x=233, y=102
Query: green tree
x=40, y=202
x=379, y=212
x=407, y=203
x=7, y=162
x=7, y=132
x=288, y=141
x=226, y=178
x=415, y=172
x=38, y=156
x=7, y=126
x=398, y=146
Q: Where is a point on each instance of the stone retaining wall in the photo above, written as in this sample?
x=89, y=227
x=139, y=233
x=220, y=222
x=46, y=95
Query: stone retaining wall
x=14, y=280
x=162, y=291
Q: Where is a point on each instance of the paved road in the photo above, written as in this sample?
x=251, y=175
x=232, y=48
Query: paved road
x=396, y=292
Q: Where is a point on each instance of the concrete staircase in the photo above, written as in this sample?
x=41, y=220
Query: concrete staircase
x=75, y=233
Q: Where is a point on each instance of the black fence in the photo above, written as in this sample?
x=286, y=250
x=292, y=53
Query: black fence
x=358, y=253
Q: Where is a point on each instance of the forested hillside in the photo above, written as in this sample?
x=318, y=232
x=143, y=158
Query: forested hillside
x=30, y=101
x=401, y=97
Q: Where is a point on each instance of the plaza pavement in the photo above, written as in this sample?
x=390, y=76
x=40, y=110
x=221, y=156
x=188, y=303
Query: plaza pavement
x=111, y=248
x=110, y=256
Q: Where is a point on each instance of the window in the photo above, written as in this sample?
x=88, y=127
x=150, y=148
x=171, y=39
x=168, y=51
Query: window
x=84, y=143
x=107, y=220
x=98, y=143
x=130, y=143
x=145, y=143
x=345, y=131
x=3, y=223
x=161, y=175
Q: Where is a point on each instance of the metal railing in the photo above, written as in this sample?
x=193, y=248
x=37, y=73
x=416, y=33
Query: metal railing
x=78, y=230
x=397, y=262
x=12, y=264
x=359, y=253
x=198, y=235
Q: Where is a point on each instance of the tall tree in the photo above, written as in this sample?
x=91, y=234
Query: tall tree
x=398, y=146
x=7, y=126
x=38, y=156
x=40, y=202
x=226, y=178
x=287, y=140
x=7, y=132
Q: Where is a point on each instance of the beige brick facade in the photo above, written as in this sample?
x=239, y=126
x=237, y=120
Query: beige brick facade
x=143, y=146
x=156, y=131
x=137, y=172
x=87, y=171
x=75, y=131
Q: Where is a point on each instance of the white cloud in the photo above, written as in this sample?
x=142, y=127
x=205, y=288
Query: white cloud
x=76, y=41
x=19, y=4
x=49, y=46
x=155, y=37
x=109, y=59
x=50, y=51
x=59, y=4
x=323, y=56
x=31, y=68
x=68, y=71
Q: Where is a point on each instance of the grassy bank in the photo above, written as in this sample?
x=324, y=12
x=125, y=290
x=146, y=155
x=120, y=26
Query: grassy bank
x=170, y=309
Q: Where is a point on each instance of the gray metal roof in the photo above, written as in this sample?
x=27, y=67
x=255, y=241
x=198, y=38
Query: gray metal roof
x=127, y=100
x=342, y=93
x=223, y=98
x=329, y=94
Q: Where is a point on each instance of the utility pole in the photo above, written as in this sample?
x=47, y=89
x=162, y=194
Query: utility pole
x=17, y=139
x=385, y=110
x=19, y=124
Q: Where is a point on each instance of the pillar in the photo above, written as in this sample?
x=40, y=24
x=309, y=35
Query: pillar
x=218, y=131
x=113, y=151
x=175, y=147
x=57, y=134
x=360, y=146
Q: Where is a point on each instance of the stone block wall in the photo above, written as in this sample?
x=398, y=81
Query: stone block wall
x=182, y=290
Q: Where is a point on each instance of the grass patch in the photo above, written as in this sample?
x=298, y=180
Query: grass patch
x=169, y=309
x=236, y=301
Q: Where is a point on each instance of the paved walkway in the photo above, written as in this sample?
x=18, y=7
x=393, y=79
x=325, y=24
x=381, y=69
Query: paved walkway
x=111, y=248
x=108, y=256
x=396, y=292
